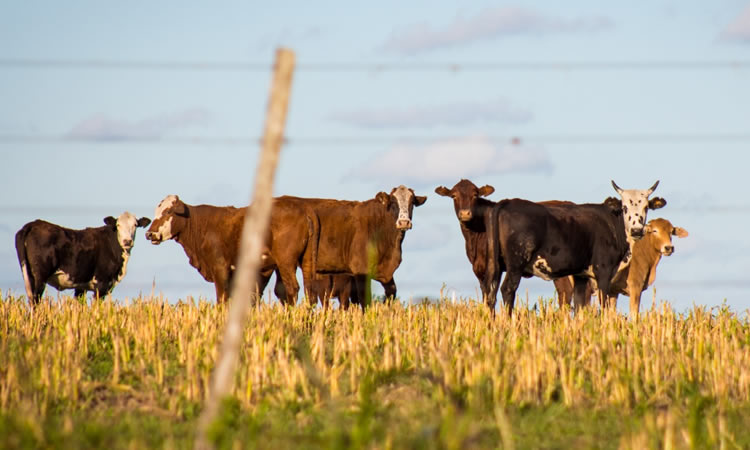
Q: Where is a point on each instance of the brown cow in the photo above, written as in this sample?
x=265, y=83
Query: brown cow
x=647, y=253
x=471, y=211
x=210, y=236
x=357, y=237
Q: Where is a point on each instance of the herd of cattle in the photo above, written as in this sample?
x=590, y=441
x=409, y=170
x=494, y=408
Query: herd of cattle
x=607, y=247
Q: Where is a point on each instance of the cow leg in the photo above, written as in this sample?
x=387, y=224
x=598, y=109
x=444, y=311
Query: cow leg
x=279, y=290
x=221, y=292
x=289, y=278
x=635, y=300
x=580, y=291
x=346, y=292
x=264, y=276
x=564, y=288
x=508, y=289
x=360, y=288
x=390, y=291
x=101, y=291
x=38, y=292
x=79, y=293
x=607, y=301
x=38, y=283
x=489, y=288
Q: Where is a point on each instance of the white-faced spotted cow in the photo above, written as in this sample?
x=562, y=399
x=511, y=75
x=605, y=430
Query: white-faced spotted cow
x=92, y=259
x=558, y=239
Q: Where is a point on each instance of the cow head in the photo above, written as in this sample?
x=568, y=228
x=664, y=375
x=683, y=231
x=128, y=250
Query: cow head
x=635, y=206
x=465, y=195
x=125, y=226
x=401, y=201
x=660, y=232
x=169, y=220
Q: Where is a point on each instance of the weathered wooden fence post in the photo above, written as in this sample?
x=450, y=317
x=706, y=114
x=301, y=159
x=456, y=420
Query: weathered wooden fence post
x=244, y=293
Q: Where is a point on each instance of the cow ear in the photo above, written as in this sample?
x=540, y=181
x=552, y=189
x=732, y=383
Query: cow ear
x=110, y=221
x=419, y=200
x=383, y=198
x=181, y=210
x=443, y=191
x=656, y=203
x=143, y=222
x=615, y=204
x=486, y=190
x=679, y=232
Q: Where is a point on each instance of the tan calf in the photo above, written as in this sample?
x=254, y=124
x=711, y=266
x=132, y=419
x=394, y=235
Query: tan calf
x=647, y=253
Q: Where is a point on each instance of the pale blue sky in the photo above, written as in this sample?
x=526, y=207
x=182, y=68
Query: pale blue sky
x=130, y=122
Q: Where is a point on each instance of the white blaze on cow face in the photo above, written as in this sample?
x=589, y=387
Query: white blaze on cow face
x=126, y=225
x=634, y=209
x=403, y=196
x=161, y=227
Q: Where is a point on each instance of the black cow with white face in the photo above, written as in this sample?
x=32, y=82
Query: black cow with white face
x=92, y=259
x=557, y=239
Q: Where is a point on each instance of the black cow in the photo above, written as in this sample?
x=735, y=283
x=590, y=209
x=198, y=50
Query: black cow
x=92, y=259
x=560, y=239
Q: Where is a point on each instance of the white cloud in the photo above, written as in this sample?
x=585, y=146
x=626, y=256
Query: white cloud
x=446, y=160
x=102, y=127
x=739, y=30
x=488, y=24
x=458, y=113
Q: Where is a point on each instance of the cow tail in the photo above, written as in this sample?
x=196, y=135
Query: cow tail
x=28, y=278
x=313, y=237
x=493, y=248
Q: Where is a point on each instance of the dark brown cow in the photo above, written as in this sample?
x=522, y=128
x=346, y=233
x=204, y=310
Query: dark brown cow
x=210, y=236
x=357, y=237
x=472, y=212
x=92, y=259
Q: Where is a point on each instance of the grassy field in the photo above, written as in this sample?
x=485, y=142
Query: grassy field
x=429, y=376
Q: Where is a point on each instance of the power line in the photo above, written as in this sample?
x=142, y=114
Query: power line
x=244, y=141
x=333, y=66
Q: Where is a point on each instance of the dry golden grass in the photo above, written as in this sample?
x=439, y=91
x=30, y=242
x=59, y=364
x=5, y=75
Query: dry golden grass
x=155, y=357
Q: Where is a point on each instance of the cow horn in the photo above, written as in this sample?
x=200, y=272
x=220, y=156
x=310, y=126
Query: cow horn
x=617, y=188
x=653, y=188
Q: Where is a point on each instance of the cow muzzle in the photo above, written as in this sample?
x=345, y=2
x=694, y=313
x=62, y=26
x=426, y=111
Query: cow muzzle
x=464, y=215
x=403, y=224
x=636, y=233
x=153, y=237
x=667, y=250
